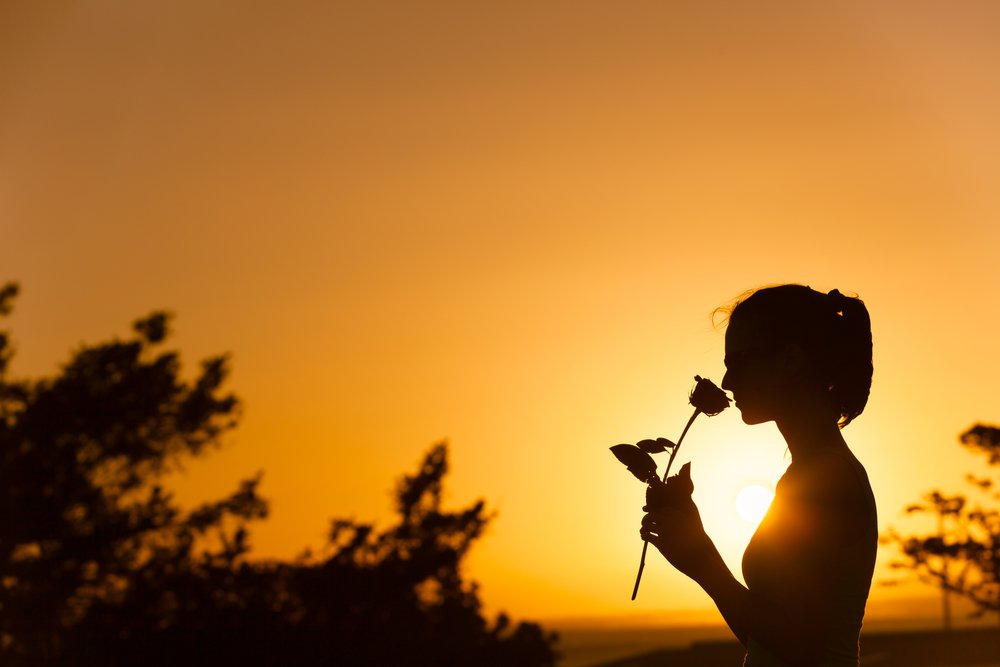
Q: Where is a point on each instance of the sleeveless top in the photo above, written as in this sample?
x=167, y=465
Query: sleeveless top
x=848, y=570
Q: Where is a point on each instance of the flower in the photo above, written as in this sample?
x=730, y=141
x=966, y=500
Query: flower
x=708, y=398
x=672, y=491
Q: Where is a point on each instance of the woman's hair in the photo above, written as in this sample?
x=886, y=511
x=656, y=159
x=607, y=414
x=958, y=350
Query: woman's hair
x=833, y=330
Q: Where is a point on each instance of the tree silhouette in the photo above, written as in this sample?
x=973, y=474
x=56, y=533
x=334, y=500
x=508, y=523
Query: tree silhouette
x=99, y=566
x=398, y=596
x=963, y=556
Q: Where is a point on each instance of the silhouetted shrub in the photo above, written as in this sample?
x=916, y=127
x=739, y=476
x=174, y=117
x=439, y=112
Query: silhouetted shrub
x=963, y=555
x=99, y=566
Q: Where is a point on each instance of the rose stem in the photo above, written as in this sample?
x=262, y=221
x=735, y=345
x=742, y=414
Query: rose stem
x=645, y=544
x=670, y=461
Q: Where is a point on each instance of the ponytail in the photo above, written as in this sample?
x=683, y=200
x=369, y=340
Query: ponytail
x=850, y=379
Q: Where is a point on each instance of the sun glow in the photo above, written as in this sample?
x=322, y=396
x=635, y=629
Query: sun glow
x=752, y=502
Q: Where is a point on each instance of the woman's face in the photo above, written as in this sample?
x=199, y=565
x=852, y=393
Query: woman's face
x=756, y=371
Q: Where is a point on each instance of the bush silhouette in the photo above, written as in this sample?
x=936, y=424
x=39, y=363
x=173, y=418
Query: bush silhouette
x=99, y=565
x=963, y=556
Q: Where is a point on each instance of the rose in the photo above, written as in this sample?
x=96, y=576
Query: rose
x=705, y=397
x=708, y=398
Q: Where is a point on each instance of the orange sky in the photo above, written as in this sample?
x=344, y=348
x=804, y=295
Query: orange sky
x=507, y=226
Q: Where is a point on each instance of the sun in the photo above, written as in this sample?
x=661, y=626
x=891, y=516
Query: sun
x=752, y=502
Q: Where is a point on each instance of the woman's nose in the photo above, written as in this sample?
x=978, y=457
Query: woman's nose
x=725, y=381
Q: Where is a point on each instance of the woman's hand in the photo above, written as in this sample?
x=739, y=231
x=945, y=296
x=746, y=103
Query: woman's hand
x=673, y=525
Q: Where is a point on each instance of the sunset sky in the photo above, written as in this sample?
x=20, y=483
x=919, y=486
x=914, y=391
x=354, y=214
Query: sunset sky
x=507, y=225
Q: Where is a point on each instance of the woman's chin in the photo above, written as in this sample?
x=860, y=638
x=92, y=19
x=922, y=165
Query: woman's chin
x=751, y=417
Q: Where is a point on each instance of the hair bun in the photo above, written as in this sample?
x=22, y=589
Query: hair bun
x=837, y=300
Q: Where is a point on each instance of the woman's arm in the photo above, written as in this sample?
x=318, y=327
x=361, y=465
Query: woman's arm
x=793, y=637
x=680, y=537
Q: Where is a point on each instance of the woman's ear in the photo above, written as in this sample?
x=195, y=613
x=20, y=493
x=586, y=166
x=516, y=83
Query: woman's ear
x=792, y=359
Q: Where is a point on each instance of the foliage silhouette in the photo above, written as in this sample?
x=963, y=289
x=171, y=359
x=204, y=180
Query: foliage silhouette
x=963, y=556
x=99, y=566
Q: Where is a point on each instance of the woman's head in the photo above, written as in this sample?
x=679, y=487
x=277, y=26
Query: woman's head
x=791, y=338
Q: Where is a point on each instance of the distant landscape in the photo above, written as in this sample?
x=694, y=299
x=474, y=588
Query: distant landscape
x=600, y=642
x=937, y=648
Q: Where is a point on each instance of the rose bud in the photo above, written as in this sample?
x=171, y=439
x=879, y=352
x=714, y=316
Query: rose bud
x=708, y=398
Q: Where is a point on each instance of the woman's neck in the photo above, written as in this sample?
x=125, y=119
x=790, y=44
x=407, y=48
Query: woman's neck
x=810, y=425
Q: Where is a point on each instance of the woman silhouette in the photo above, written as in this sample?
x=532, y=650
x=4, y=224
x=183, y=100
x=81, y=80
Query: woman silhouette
x=802, y=359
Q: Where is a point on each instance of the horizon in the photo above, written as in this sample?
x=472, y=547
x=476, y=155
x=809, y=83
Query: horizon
x=923, y=611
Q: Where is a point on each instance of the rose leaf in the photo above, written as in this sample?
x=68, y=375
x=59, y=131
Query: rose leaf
x=638, y=462
x=651, y=446
x=666, y=444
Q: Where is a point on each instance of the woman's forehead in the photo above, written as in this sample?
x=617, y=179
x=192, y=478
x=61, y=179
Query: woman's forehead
x=744, y=333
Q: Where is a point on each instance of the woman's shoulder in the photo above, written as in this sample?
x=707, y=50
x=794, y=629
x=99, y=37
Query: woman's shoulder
x=830, y=472
x=831, y=489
